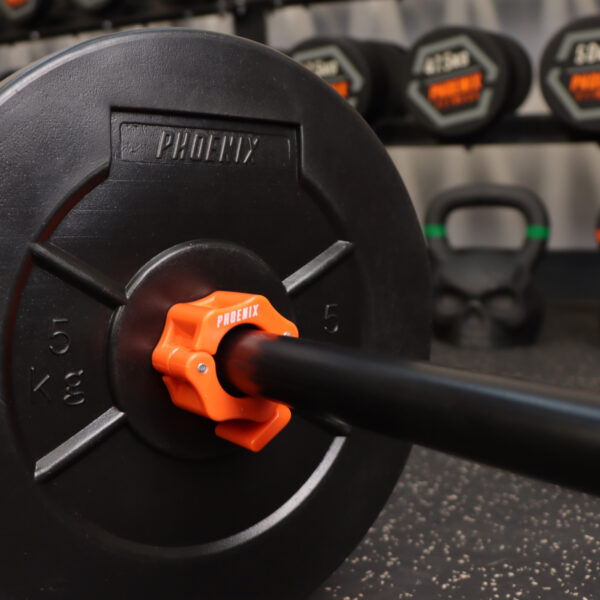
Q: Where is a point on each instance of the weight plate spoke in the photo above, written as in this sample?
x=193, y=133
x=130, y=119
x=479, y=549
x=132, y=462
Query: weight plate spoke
x=71, y=269
x=306, y=274
x=72, y=448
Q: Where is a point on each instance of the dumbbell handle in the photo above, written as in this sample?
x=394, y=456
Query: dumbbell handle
x=533, y=429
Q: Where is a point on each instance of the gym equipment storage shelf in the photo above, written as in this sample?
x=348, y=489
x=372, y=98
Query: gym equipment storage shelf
x=513, y=129
x=562, y=274
x=63, y=17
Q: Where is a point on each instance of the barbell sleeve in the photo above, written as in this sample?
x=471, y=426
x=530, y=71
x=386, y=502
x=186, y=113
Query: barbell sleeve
x=530, y=428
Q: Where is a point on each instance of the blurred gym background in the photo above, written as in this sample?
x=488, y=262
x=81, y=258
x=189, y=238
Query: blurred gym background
x=566, y=176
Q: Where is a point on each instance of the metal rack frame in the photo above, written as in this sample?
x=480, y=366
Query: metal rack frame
x=63, y=18
x=512, y=129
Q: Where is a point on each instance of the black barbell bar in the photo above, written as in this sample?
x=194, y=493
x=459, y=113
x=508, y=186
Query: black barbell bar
x=530, y=428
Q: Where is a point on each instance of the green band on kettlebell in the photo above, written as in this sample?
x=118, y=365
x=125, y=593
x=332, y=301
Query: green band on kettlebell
x=537, y=232
x=435, y=230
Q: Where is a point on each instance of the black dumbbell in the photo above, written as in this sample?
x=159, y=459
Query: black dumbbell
x=570, y=74
x=6, y=73
x=21, y=11
x=520, y=72
x=482, y=296
x=369, y=74
x=462, y=79
x=93, y=5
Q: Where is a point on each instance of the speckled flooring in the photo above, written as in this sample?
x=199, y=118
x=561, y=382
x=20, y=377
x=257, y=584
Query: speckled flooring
x=453, y=529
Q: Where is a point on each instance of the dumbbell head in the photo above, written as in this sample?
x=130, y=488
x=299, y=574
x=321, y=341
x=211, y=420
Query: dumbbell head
x=483, y=296
x=20, y=10
x=369, y=75
x=520, y=72
x=388, y=63
x=93, y=5
x=6, y=74
x=458, y=82
x=341, y=64
x=135, y=176
x=570, y=74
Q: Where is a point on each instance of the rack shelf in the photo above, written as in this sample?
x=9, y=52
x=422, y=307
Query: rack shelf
x=62, y=18
x=513, y=129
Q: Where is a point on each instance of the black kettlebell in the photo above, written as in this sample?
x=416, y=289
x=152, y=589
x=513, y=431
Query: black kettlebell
x=486, y=297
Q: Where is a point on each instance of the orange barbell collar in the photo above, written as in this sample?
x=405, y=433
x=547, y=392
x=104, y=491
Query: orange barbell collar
x=185, y=355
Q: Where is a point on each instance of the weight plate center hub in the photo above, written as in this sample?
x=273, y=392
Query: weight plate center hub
x=181, y=274
x=153, y=190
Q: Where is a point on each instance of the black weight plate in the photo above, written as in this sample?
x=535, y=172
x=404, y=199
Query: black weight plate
x=340, y=63
x=458, y=80
x=520, y=69
x=148, y=168
x=570, y=74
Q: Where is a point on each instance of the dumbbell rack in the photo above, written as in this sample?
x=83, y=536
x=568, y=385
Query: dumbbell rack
x=63, y=18
x=512, y=129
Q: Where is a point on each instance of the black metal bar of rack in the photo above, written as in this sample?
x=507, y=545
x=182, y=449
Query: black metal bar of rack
x=63, y=18
x=513, y=129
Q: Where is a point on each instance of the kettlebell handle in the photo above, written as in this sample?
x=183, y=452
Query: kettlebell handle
x=488, y=194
